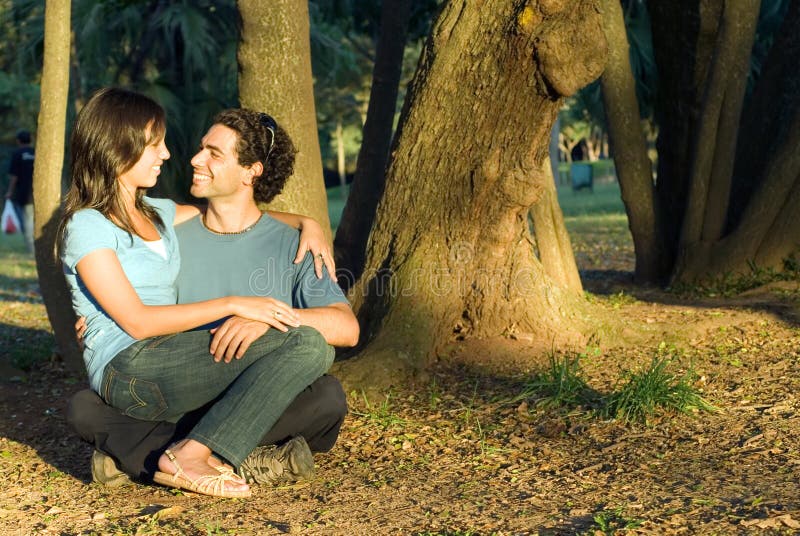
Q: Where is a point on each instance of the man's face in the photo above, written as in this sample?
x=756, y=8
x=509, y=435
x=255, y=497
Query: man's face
x=217, y=173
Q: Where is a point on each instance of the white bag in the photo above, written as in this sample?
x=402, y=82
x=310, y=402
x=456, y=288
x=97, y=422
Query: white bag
x=10, y=220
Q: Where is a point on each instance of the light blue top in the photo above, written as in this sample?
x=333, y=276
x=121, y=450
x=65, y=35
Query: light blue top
x=152, y=276
x=258, y=262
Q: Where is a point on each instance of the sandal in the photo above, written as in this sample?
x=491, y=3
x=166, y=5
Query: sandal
x=213, y=485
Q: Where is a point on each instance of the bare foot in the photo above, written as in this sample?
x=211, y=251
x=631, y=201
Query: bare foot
x=195, y=460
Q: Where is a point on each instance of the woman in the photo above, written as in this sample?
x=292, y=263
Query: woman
x=121, y=259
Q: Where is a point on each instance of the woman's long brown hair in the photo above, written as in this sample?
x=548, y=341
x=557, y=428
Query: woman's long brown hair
x=107, y=140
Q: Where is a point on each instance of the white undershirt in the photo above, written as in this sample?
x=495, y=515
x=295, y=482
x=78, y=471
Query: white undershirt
x=158, y=246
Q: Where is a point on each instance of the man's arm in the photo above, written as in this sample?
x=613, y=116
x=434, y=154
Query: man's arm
x=12, y=184
x=336, y=323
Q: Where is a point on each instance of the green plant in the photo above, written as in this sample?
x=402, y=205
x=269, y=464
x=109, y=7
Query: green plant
x=612, y=521
x=561, y=385
x=381, y=413
x=652, y=389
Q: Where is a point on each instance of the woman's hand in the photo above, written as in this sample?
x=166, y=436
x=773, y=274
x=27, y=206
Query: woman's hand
x=80, y=331
x=312, y=239
x=267, y=310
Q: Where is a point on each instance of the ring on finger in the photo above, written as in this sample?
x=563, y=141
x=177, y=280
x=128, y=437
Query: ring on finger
x=276, y=314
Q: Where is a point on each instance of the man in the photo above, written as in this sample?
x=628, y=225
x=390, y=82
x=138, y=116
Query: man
x=234, y=249
x=20, y=184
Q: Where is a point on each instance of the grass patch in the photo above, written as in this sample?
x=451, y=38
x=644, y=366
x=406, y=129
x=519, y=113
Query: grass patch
x=381, y=414
x=613, y=521
x=639, y=395
x=605, y=199
x=336, y=202
x=560, y=386
x=653, y=390
x=25, y=337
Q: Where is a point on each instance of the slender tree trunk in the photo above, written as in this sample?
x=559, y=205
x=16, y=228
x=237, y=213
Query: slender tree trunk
x=762, y=221
x=368, y=183
x=767, y=117
x=340, y=161
x=629, y=147
x=47, y=179
x=684, y=36
x=450, y=256
x=552, y=239
x=275, y=77
x=715, y=139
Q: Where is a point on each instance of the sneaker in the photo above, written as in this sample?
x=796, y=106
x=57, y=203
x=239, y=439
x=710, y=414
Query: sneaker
x=106, y=472
x=273, y=465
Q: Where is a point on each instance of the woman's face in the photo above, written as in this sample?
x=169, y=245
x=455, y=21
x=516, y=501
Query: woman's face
x=144, y=173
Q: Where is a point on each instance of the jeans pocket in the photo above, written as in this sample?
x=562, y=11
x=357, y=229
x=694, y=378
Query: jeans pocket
x=137, y=398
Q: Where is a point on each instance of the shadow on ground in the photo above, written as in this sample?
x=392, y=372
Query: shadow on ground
x=781, y=299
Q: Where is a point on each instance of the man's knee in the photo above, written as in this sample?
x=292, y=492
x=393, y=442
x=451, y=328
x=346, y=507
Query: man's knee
x=332, y=399
x=82, y=412
x=315, y=346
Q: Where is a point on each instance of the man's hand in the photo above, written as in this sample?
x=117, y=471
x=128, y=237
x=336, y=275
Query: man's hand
x=234, y=337
x=80, y=331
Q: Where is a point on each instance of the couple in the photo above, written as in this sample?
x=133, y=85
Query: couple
x=188, y=409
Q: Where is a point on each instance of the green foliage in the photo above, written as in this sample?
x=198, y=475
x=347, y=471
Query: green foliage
x=654, y=389
x=637, y=397
x=380, y=413
x=560, y=386
x=613, y=521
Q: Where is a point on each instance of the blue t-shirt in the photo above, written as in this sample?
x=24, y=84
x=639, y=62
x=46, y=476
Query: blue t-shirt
x=151, y=275
x=258, y=262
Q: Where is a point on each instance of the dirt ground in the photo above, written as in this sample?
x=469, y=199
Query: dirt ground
x=462, y=453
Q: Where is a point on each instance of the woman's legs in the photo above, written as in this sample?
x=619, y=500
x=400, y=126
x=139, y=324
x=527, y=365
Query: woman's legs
x=234, y=425
x=165, y=377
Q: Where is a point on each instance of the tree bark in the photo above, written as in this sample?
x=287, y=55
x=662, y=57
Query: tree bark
x=715, y=138
x=368, y=183
x=766, y=120
x=763, y=222
x=634, y=170
x=47, y=179
x=552, y=239
x=684, y=36
x=275, y=77
x=450, y=256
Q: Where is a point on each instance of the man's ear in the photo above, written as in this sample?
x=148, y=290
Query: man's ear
x=254, y=171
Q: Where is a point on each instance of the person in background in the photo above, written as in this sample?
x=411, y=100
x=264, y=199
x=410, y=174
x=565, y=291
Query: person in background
x=20, y=184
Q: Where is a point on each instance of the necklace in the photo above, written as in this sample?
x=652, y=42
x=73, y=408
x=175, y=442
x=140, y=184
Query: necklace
x=248, y=228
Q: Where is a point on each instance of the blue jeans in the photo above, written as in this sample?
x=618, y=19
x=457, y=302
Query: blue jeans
x=163, y=378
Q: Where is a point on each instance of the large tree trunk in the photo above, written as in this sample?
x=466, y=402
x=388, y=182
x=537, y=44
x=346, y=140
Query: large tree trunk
x=368, y=183
x=275, y=77
x=629, y=148
x=450, y=256
x=47, y=179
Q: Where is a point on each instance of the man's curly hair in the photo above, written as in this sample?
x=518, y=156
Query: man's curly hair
x=253, y=145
